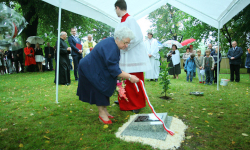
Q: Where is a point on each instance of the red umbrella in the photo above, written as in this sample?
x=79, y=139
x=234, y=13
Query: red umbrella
x=186, y=42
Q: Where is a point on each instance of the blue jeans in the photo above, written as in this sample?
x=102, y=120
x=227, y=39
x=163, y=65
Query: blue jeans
x=209, y=75
x=190, y=73
x=70, y=61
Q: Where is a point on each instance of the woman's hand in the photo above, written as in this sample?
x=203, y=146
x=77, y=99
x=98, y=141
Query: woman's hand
x=134, y=79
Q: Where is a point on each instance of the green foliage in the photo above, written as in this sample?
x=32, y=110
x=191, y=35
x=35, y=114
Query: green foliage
x=163, y=76
x=43, y=19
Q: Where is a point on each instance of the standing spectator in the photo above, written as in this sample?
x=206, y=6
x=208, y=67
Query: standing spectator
x=8, y=56
x=192, y=51
x=39, y=57
x=190, y=67
x=75, y=52
x=208, y=64
x=70, y=62
x=215, y=56
x=210, y=47
x=88, y=45
x=18, y=57
x=247, y=64
x=49, y=55
x=64, y=68
x=234, y=54
x=134, y=60
x=30, y=61
x=185, y=56
x=174, y=59
x=198, y=62
x=153, y=54
x=2, y=63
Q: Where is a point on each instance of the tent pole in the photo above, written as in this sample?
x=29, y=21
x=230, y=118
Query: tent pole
x=58, y=49
x=218, y=56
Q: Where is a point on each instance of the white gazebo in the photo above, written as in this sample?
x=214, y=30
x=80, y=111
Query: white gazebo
x=213, y=12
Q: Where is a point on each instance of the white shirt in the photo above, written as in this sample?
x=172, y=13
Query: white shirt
x=152, y=47
x=135, y=57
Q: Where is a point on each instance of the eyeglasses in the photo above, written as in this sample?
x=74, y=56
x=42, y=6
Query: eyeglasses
x=125, y=43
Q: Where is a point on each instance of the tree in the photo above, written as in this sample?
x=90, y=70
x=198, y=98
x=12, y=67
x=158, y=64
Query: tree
x=43, y=18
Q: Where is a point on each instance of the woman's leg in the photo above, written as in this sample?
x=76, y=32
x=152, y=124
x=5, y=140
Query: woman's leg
x=102, y=113
x=41, y=66
x=177, y=76
x=106, y=111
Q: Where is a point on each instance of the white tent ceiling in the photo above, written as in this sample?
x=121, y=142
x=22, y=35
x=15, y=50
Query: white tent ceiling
x=211, y=12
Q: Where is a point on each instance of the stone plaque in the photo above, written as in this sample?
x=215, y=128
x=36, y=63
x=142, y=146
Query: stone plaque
x=148, y=126
x=148, y=118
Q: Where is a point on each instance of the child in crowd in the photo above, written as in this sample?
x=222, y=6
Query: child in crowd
x=198, y=63
x=190, y=67
x=185, y=56
x=215, y=56
x=208, y=65
x=247, y=65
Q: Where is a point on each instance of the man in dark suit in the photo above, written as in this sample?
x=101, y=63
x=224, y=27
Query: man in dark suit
x=234, y=54
x=18, y=57
x=75, y=52
x=49, y=55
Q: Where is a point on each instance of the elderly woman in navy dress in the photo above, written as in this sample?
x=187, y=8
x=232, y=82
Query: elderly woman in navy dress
x=99, y=70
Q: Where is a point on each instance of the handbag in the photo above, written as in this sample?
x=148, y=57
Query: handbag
x=202, y=72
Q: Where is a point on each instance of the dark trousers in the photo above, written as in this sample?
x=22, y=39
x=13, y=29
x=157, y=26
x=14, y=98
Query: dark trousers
x=49, y=60
x=209, y=75
x=17, y=65
x=235, y=69
x=31, y=68
x=215, y=73
x=76, y=60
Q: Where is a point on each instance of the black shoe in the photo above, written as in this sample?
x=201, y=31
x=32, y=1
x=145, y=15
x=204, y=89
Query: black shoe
x=136, y=111
x=76, y=79
x=116, y=102
x=67, y=84
x=156, y=80
x=151, y=79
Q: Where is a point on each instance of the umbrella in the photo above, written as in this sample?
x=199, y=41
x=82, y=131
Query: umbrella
x=35, y=40
x=169, y=44
x=186, y=42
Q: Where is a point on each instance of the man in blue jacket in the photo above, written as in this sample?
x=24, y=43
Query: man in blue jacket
x=234, y=54
x=75, y=52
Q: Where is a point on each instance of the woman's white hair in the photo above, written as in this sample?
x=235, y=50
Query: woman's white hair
x=124, y=33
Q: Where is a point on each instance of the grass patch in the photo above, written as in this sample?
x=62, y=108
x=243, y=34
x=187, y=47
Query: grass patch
x=30, y=118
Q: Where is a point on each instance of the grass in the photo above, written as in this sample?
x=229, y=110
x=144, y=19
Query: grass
x=30, y=118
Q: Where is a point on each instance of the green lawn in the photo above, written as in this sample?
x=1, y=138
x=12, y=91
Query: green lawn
x=30, y=118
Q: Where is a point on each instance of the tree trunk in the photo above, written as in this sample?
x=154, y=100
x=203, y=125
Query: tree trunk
x=29, y=13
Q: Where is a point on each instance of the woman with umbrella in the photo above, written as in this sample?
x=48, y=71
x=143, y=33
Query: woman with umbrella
x=30, y=61
x=174, y=62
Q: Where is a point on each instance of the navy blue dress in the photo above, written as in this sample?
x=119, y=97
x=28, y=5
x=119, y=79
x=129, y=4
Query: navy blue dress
x=98, y=73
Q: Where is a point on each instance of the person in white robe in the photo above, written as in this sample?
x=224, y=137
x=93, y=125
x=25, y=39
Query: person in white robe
x=134, y=60
x=154, y=56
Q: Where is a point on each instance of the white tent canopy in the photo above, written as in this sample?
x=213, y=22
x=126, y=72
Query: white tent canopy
x=209, y=11
x=213, y=12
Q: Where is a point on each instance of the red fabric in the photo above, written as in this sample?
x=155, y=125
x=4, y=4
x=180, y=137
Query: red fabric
x=124, y=17
x=136, y=100
x=186, y=42
x=29, y=60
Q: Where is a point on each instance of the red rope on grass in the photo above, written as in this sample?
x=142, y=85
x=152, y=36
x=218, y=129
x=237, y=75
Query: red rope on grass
x=152, y=108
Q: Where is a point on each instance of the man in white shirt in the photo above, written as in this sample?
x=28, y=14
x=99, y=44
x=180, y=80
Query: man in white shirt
x=153, y=54
x=133, y=60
